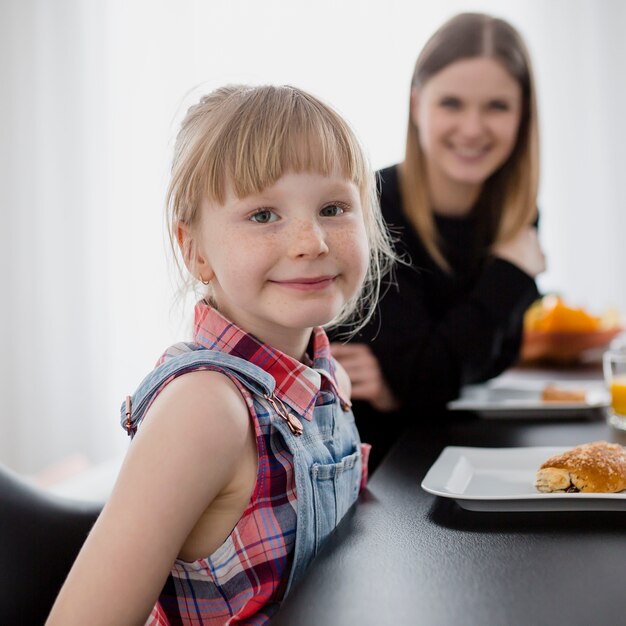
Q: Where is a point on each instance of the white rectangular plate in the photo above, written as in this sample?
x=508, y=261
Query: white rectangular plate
x=503, y=398
x=503, y=479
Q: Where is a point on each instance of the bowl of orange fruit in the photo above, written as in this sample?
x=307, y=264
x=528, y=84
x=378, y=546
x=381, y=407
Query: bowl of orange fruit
x=558, y=332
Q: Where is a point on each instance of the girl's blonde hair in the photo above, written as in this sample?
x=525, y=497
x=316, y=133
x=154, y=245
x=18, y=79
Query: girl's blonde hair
x=246, y=138
x=509, y=196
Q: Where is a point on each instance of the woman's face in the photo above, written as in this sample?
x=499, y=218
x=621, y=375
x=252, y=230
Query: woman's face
x=468, y=115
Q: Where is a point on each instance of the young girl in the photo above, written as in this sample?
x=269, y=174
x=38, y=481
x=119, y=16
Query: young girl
x=245, y=454
x=463, y=204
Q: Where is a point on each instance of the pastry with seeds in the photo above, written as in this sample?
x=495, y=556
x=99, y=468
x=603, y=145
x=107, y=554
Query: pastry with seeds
x=598, y=467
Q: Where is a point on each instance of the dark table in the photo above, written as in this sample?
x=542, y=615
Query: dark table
x=403, y=556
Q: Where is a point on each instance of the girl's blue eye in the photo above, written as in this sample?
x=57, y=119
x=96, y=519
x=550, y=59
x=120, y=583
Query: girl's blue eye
x=332, y=210
x=264, y=216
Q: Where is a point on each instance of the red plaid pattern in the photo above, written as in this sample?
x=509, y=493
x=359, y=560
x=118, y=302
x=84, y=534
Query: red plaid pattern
x=296, y=384
x=244, y=581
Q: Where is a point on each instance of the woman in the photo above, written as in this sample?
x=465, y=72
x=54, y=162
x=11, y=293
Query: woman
x=462, y=205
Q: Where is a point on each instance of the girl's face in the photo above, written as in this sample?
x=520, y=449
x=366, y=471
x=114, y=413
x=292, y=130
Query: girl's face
x=468, y=116
x=286, y=259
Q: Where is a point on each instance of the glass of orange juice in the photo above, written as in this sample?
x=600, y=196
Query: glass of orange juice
x=614, y=364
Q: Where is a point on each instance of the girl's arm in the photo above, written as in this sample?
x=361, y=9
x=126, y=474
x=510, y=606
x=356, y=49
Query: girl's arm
x=185, y=453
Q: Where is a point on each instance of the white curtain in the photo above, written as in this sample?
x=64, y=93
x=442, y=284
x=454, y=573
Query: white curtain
x=91, y=95
x=56, y=322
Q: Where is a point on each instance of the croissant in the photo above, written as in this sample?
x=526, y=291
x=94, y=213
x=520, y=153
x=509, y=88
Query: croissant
x=598, y=467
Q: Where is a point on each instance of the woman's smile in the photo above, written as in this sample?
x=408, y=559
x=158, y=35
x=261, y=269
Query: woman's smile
x=469, y=154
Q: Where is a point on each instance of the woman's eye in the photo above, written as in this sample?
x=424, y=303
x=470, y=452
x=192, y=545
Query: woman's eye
x=499, y=105
x=451, y=103
x=332, y=210
x=264, y=216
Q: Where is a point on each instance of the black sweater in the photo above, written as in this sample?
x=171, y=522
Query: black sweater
x=436, y=331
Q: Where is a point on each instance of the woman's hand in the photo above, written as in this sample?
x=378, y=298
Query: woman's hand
x=367, y=379
x=524, y=250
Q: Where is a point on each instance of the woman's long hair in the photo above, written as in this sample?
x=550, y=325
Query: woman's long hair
x=508, y=197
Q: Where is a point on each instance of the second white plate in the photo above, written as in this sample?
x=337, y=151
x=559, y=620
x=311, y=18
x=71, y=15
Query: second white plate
x=502, y=398
x=502, y=479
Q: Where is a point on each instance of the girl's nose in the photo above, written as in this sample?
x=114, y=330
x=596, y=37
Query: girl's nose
x=307, y=239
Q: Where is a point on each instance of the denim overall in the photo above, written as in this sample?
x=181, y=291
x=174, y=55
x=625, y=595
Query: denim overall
x=326, y=455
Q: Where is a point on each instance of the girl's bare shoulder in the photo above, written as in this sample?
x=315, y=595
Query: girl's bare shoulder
x=202, y=403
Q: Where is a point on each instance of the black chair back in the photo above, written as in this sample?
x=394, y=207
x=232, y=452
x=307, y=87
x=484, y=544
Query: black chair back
x=40, y=536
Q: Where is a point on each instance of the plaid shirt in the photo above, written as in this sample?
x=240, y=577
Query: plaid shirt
x=244, y=581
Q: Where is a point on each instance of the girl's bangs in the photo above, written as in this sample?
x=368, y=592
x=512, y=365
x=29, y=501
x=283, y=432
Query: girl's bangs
x=301, y=139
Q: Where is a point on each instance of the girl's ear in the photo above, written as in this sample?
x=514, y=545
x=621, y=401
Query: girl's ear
x=195, y=261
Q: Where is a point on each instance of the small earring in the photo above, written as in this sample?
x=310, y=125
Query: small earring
x=204, y=282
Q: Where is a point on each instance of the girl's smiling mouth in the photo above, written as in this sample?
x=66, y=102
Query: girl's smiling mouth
x=316, y=283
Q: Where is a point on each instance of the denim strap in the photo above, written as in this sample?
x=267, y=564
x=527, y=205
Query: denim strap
x=254, y=378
